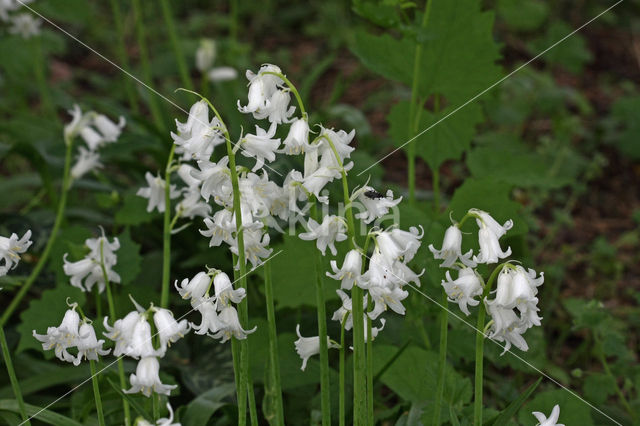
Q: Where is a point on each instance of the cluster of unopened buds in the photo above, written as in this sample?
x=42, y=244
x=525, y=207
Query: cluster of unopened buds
x=514, y=307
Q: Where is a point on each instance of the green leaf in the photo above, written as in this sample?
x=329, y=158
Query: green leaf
x=573, y=411
x=572, y=54
x=200, y=410
x=625, y=110
x=515, y=405
x=523, y=15
x=45, y=416
x=447, y=140
x=70, y=240
x=50, y=378
x=389, y=57
x=492, y=196
x=598, y=387
x=129, y=259
x=47, y=311
x=133, y=211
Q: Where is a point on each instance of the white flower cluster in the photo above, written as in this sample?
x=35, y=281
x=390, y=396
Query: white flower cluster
x=72, y=333
x=132, y=337
x=96, y=130
x=206, y=56
x=10, y=250
x=219, y=316
x=87, y=272
x=514, y=308
x=23, y=24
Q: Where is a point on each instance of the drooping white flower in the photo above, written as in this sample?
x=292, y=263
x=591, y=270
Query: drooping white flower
x=230, y=325
x=88, y=344
x=277, y=110
x=88, y=271
x=225, y=293
x=387, y=297
x=451, y=250
x=374, y=330
x=219, y=228
x=262, y=86
x=86, y=161
x=255, y=246
x=215, y=177
x=164, y=421
x=147, y=378
x=484, y=218
x=333, y=229
x=79, y=121
x=155, y=192
x=121, y=332
x=25, y=25
x=340, y=141
x=192, y=204
x=109, y=130
x=220, y=74
x=62, y=337
x=552, y=420
x=506, y=326
x=205, y=54
x=297, y=140
x=194, y=288
x=350, y=271
x=490, y=250
x=306, y=347
x=210, y=322
x=141, y=343
x=198, y=136
x=260, y=146
x=464, y=289
x=516, y=289
x=10, y=250
x=376, y=205
x=169, y=330
x=343, y=313
x=315, y=182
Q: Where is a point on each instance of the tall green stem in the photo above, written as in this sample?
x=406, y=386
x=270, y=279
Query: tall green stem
x=343, y=397
x=122, y=55
x=370, y=418
x=413, y=106
x=39, y=67
x=477, y=403
x=166, y=233
x=442, y=362
x=66, y=184
x=322, y=333
x=175, y=45
x=15, y=385
x=274, y=355
x=96, y=392
x=154, y=106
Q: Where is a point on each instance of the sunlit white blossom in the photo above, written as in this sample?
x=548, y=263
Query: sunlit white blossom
x=261, y=87
x=297, y=140
x=225, y=293
x=306, y=347
x=169, y=330
x=88, y=344
x=198, y=136
x=10, y=250
x=210, y=322
x=62, y=337
x=451, y=250
x=155, y=192
x=463, y=289
x=261, y=146
x=350, y=271
x=230, y=326
x=194, y=288
x=332, y=229
x=147, y=378
x=121, y=332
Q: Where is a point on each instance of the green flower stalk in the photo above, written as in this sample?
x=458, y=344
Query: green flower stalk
x=15, y=385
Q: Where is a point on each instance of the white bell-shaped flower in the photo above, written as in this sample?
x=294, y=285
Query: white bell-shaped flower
x=25, y=25
x=230, y=326
x=297, y=140
x=552, y=420
x=169, y=330
x=121, y=332
x=205, y=54
x=306, y=347
x=147, y=378
x=451, y=250
x=109, y=130
x=141, y=343
x=255, y=246
x=155, y=192
x=278, y=109
x=262, y=86
x=10, y=250
x=198, y=136
x=88, y=344
x=333, y=229
x=210, y=322
x=214, y=177
x=385, y=297
x=62, y=337
x=194, y=288
x=484, y=219
x=315, y=182
x=376, y=205
x=86, y=272
x=506, y=327
x=464, y=289
x=490, y=250
x=225, y=294
x=86, y=161
x=261, y=146
x=340, y=141
x=219, y=228
x=350, y=271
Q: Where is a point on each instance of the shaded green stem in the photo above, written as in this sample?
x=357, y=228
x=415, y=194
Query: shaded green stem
x=442, y=361
x=166, y=232
x=370, y=417
x=15, y=385
x=122, y=54
x=96, y=392
x=274, y=355
x=175, y=45
x=341, y=368
x=66, y=184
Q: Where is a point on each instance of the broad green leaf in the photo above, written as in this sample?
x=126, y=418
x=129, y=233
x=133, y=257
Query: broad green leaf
x=489, y=195
x=573, y=411
x=61, y=375
x=515, y=405
x=390, y=57
x=381, y=14
x=523, y=15
x=572, y=54
x=200, y=410
x=598, y=387
x=70, y=11
x=129, y=259
x=447, y=140
x=133, y=211
x=626, y=111
x=47, y=311
x=45, y=416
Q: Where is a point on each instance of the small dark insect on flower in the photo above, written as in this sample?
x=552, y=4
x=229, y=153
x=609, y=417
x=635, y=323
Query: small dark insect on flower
x=373, y=194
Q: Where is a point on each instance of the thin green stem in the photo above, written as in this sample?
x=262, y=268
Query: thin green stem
x=155, y=406
x=39, y=67
x=112, y=314
x=98, y=301
x=322, y=333
x=341, y=368
x=96, y=392
x=442, y=362
x=370, y=418
x=166, y=232
x=154, y=106
x=413, y=105
x=66, y=184
x=175, y=45
x=274, y=355
x=477, y=403
x=122, y=55
x=15, y=385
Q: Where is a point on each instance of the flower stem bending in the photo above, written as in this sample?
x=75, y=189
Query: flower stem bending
x=15, y=385
x=66, y=184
